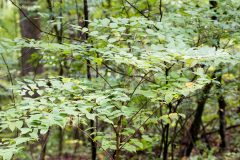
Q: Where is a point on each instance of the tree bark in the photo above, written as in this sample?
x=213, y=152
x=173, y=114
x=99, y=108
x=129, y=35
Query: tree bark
x=44, y=140
x=29, y=31
x=89, y=76
x=86, y=23
x=222, y=126
x=221, y=112
x=191, y=136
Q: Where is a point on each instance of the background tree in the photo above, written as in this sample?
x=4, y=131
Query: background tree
x=29, y=26
x=125, y=79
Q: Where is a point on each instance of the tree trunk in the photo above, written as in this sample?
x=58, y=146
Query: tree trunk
x=222, y=126
x=191, y=135
x=29, y=31
x=89, y=76
x=221, y=112
x=44, y=140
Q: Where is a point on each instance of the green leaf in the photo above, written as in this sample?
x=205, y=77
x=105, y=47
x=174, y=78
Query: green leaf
x=165, y=119
x=130, y=148
x=113, y=25
x=19, y=124
x=105, y=22
x=173, y=116
x=94, y=33
x=147, y=93
x=25, y=130
x=137, y=143
x=31, y=93
x=34, y=134
x=168, y=98
x=147, y=138
x=112, y=40
x=12, y=126
x=90, y=116
x=149, y=31
x=21, y=140
x=7, y=153
x=121, y=29
x=84, y=30
x=105, y=119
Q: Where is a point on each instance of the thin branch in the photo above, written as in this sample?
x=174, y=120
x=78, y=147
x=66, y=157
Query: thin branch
x=10, y=77
x=89, y=136
x=130, y=137
x=137, y=9
x=141, y=13
x=101, y=76
x=160, y=10
x=42, y=154
x=124, y=74
x=228, y=128
x=130, y=120
x=139, y=83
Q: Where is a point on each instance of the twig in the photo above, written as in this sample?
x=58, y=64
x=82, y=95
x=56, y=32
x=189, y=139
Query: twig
x=10, y=77
x=160, y=10
x=139, y=83
x=101, y=77
x=89, y=136
x=128, y=139
x=228, y=128
x=124, y=74
x=141, y=13
x=137, y=9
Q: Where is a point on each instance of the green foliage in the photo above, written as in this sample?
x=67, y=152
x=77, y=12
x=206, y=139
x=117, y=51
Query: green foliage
x=144, y=70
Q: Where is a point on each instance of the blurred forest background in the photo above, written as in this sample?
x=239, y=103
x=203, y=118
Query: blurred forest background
x=119, y=79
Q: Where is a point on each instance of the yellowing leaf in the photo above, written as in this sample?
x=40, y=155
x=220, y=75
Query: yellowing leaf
x=189, y=84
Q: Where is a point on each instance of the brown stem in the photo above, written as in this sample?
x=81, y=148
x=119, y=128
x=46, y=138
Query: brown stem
x=89, y=76
x=118, y=138
x=160, y=10
x=227, y=128
x=166, y=144
x=222, y=121
x=44, y=146
x=188, y=142
x=10, y=78
x=221, y=112
x=165, y=141
x=205, y=137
